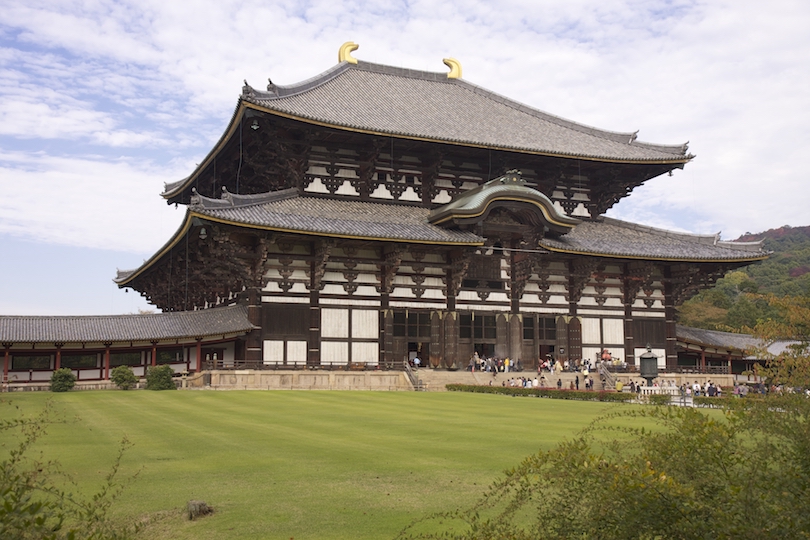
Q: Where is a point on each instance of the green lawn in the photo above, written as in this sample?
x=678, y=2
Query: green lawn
x=298, y=464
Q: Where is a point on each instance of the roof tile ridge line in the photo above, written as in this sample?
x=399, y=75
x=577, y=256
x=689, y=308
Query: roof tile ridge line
x=615, y=136
x=236, y=200
x=174, y=188
x=707, y=238
x=281, y=91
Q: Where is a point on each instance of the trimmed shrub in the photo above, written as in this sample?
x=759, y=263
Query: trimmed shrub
x=160, y=378
x=580, y=395
x=659, y=399
x=123, y=377
x=62, y=380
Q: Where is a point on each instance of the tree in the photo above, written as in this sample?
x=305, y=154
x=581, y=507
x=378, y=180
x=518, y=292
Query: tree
x=123, y=377
x=62, y=380
x=790, y=364
x=160, y=378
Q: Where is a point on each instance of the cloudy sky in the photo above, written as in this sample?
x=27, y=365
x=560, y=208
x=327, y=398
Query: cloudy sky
x=101, y=102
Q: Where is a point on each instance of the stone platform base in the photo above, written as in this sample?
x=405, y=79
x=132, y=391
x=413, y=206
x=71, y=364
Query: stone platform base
x=248, y=379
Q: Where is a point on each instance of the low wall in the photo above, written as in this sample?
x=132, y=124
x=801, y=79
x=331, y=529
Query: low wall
x=248, y=379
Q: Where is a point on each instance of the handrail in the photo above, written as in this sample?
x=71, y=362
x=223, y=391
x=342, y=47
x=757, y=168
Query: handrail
x=610, y=379
x=417, y=384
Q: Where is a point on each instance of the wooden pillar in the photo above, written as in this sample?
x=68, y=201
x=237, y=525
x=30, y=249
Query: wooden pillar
x=501, y=335
x=107, y=361
x=253, y=341
x=629, y=340
x=436, y=357
x=6, y=346
x=198, y=352
x=515, y=337
x=703, y=359
x=153, y=360
x=314, y=341
x=451, y=339
x=669, y=320
x=58, y=362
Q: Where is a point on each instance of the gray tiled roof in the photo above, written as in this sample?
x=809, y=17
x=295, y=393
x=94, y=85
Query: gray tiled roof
x=334, y=217
x=612, y=237
x=425, y=105
x=123, y=328
x=713, y=338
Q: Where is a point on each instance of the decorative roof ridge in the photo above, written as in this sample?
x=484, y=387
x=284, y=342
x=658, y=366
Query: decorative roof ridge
x=707, y=239
x=474, y=203
x=278, y=91
x=235, y=200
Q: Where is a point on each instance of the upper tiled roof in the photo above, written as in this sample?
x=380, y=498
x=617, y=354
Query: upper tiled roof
x=286, y=211
x=425, y=105
x=124, y=328
x=615, y=238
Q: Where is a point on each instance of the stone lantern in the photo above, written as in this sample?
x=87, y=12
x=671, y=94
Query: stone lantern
x=648, y=365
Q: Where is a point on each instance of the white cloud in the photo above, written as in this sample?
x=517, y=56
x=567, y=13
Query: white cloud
x=85, y=202
x=101, y=102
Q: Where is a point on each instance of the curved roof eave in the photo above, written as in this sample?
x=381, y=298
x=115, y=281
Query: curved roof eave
x=641, y=257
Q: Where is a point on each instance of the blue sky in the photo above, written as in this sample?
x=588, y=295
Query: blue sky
x=102, y=102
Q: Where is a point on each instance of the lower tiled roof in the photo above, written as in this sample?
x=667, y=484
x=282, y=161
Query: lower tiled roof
x=615, y=238
x=337, y=218
x=121, y=328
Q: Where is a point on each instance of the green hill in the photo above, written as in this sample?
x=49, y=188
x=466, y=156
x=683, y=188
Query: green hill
x=727, y=306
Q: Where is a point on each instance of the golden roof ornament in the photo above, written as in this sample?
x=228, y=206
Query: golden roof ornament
x=345, y=52
x=455, y=68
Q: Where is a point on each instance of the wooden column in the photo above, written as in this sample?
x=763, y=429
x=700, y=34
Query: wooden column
x=703, y=358
x=153, y=360
x=253, y=341
x=629, y=340
x=435, y=352
x=314, y=342
x=198, y=351
x=451, y=339
x=6, y=346
x=58, y=362
x=669, y=319
x=515, y=337
x=107, y=361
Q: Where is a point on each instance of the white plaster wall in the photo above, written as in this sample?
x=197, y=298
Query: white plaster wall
x=590, y=331
x=365, y=352
x=334, y=323
x=273, y=351
x=365, y=324
x=296, y=352
x=334, y=352
x=613, y=331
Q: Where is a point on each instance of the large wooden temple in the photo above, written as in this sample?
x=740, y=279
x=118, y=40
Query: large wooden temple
x=371, y=214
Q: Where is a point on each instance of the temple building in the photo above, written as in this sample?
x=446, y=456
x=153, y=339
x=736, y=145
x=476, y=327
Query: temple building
x=373, y=214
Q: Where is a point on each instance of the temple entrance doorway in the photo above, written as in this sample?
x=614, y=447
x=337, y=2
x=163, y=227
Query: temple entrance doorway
x=419, y=350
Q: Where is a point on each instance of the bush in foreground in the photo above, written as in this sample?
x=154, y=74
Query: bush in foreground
x=123, y=377
x=62, y=380
x=698, y=475
x=160, y=378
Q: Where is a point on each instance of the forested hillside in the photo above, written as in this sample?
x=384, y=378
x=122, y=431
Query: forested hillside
x=732, y=303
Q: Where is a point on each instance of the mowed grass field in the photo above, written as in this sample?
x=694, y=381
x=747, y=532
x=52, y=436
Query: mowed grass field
x=297, y=464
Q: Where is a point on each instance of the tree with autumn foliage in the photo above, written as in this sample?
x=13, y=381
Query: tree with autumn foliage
x=786, y=341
